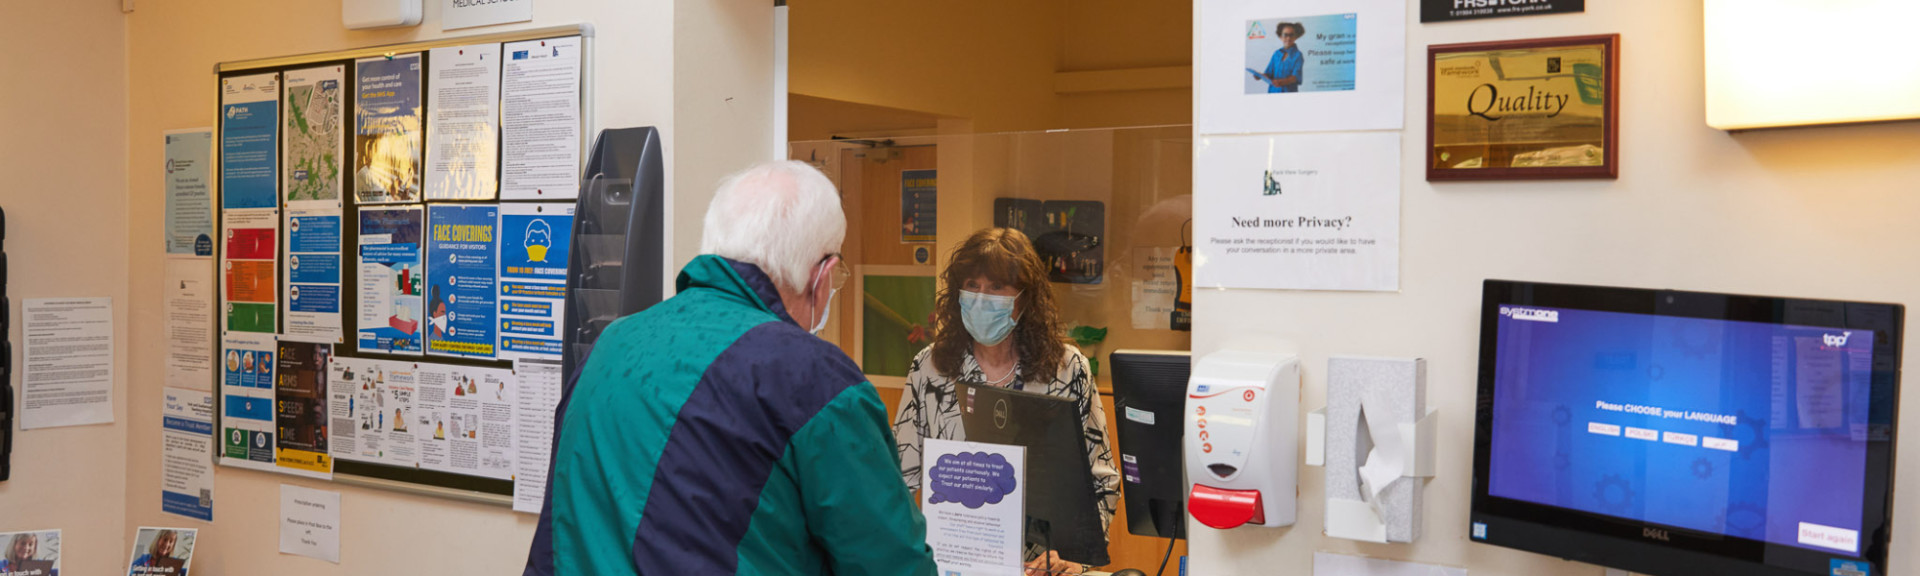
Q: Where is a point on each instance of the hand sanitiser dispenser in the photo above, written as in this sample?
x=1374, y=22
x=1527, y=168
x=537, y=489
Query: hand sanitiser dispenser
x=1243, y=413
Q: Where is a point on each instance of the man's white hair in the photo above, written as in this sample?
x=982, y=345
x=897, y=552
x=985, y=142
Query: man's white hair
x=781, y=216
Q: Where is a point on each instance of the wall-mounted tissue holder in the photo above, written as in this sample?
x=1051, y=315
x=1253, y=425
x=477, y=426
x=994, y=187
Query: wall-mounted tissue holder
x=1376, y=439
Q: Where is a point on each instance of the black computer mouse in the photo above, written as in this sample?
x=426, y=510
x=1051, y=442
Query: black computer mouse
x=1129, y=572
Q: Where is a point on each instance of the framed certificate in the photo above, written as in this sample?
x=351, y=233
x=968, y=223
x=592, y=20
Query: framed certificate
x=1524, y=109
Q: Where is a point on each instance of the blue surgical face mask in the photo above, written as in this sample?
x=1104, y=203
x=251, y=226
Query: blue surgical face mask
x=989, y=318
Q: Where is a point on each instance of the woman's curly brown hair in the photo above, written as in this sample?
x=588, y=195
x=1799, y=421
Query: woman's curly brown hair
x=1006, y=256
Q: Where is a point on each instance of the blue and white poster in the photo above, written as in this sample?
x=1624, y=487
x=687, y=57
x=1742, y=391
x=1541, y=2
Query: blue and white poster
x=313, y=273
x=189, y=192
x=462, y=269
x=535, y=242
x=389, y=319
x=919, y=205
x=246, y=401
x=387, y=130
x=186, y=428
x=249, y=124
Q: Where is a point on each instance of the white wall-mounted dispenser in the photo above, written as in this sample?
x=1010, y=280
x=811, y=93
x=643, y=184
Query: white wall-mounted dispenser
x=372, y=14
x=1376, y=439
x=1243, y=413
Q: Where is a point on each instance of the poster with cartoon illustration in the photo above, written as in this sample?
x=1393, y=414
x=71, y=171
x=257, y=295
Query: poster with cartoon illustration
x=390, y=318
x=536, y=240
x=462, y=274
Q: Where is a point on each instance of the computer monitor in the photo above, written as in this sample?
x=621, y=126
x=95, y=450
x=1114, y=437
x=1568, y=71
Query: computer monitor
x=1150, y=399
x=1062, y=513
x=1669, y=433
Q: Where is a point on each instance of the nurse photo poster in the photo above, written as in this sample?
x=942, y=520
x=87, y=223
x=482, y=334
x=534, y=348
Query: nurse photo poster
x=1300, y=66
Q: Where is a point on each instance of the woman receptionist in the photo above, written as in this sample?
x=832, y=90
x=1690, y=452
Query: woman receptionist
x=996, y=324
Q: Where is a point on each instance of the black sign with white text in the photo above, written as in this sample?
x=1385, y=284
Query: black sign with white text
x=1450, y=10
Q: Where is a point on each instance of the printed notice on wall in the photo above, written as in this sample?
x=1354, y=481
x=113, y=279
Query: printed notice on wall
x=1155, y=285
x=466, y=416
x=1298, y=211
x=68, y=374
x=188, y=192
x=248, y=141
x=247, y=269
x=463, y=251
x=372, y=408
x=540, y=120
x=387, y=131
x=973, y=499
x=313, y=272
x=188, y=306
x=535, y=241
x=300, y=408
x=162, y=551
x=535, y=402
x=246, y=401
x=464, y=128
x=186, y=446
x=390, y=280
x=1301, y=66
x=310, y=523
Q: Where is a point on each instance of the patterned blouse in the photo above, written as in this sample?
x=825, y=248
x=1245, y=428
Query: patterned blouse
x=928, y=410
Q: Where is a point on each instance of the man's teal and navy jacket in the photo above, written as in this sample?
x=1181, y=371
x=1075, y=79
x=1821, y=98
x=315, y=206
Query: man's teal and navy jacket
x=710, y=434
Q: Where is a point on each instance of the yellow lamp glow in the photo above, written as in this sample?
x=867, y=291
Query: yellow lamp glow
x=1777, y=63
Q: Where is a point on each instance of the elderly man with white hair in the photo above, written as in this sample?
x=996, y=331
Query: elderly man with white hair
x=715, y=434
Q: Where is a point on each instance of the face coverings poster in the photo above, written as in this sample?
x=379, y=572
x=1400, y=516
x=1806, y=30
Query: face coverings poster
x=391, y=279
x=535, y=241
x=462, y=267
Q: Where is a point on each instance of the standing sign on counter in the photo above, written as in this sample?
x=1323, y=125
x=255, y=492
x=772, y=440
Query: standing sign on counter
x=462, y=271
x=464, y=131
x=974, y=497
x=535, y=242
x=390, y=317
x=540, y=120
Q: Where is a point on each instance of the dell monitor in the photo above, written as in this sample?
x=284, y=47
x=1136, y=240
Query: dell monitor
x=1150, y=396
x=1671, y=433
x=1062, y=512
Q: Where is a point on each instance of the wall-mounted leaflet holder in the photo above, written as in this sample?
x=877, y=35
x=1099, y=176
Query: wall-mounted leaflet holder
x=616, y=267
x=1375, y=438
x=1241, y=446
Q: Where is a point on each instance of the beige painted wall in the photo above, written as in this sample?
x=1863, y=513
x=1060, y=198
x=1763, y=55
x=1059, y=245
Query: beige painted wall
x=638, y=46
x=1818, y=212
x=63, y=113
x=989, y=61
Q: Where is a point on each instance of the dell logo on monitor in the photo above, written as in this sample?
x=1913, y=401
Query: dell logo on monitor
x=1833, y=341
x=1000, y=413
x=1655, y=533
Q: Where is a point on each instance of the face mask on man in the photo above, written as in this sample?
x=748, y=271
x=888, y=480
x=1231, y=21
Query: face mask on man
x=989, y=318
x=831, y=292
